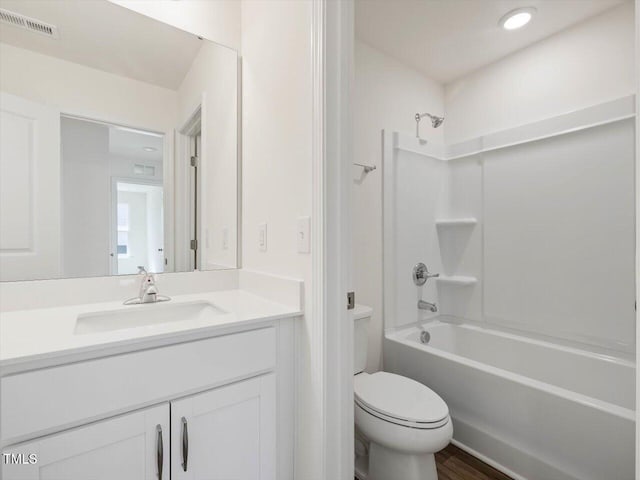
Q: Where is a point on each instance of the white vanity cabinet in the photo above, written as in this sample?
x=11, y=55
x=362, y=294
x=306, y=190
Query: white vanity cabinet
x=217, y=408
x=134, y=446
x=226, y=433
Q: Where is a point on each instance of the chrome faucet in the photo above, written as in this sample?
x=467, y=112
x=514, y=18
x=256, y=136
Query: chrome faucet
x=420, y=276
x=422, y=305
x=148, y=290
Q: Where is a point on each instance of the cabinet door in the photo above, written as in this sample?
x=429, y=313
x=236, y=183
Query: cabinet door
x=127, y=447
x=226, y=434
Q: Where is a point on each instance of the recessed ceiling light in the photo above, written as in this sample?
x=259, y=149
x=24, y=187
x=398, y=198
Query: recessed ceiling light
x=517, y=18
x=150, y=149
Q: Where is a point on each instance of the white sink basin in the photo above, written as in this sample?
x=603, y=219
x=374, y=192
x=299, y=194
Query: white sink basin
x=145, y=315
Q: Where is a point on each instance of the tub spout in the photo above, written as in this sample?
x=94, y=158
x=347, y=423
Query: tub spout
x=422, y=305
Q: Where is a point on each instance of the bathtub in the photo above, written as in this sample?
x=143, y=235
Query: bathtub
x=533, y=409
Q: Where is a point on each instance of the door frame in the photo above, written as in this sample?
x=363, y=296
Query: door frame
x=184, y=196
x=332, y=27
x=637, y=185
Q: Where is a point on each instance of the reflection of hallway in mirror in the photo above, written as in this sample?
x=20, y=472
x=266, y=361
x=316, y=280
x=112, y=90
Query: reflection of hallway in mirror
x=104, y=165
x=139, y=229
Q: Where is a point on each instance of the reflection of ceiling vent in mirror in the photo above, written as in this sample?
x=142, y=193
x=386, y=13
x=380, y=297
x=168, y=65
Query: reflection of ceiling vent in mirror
x=21, y=21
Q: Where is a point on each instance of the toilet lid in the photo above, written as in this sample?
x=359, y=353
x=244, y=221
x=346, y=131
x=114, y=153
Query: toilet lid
x=399, y=398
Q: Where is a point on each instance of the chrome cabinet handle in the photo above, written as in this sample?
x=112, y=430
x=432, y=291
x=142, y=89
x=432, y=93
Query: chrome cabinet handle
x=185, y=444
x=159, y=451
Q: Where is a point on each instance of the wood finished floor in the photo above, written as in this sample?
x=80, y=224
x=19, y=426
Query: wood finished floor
x=456, y=464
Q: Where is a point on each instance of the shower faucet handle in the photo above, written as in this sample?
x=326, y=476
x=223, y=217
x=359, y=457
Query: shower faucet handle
x=421, y=274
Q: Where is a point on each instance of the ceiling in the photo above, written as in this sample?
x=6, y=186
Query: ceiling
x=447, y=39
x=108, y=37
x=131, y=143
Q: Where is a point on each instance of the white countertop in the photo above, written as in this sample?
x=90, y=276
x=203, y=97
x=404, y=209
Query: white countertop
x=45, y=337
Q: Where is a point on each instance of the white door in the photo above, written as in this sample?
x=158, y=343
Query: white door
x=226, y=434
x=29, y=189
x=128, y=447
x=137, y=229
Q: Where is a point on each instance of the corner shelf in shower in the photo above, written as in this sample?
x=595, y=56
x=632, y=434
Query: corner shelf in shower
x=457, y=280
x=456, y=222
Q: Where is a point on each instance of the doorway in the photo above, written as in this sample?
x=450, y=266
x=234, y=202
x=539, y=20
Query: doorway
x=137, y=233
x=188, y=189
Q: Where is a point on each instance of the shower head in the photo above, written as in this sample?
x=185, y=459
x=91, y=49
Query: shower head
x=435, y=121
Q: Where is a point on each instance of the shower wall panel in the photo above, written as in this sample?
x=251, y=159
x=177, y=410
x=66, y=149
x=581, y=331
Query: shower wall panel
x=559, y=236
x=418, y=194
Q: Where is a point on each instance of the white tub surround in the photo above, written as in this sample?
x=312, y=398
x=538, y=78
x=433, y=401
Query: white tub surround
x=533, y=409
x=76, y=388
x=537, y=188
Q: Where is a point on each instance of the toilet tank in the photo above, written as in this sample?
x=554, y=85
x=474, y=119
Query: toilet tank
x=361, y=315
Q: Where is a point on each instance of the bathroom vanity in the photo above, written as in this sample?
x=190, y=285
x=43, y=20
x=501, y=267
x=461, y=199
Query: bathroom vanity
x=205, y=391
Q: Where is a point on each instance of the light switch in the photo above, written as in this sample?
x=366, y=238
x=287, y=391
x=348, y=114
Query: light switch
x=262, y=237
x=304, y=240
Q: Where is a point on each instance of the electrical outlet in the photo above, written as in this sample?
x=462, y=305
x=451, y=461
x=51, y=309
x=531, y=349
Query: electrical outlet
x=304, y=240
x=262, y=237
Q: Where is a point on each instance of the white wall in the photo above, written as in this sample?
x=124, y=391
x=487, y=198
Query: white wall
x=276, y=175
x=86, y=190
x=216, y=20
x=387, y=96
x=87, y=92
x=581, y=66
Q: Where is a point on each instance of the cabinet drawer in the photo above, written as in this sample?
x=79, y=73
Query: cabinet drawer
x=43, y=401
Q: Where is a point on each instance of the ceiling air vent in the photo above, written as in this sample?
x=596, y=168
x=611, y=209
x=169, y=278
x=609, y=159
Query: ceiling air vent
x=21, y=21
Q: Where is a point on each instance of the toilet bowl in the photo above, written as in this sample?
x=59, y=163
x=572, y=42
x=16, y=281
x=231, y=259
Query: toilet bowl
x=405, y=424
x=403, y=421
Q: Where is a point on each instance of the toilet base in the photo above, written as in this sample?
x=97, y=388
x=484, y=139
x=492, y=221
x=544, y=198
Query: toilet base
x=387, y=464
x=361, y=470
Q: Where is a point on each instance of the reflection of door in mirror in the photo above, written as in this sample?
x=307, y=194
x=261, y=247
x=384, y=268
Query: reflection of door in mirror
x=29, y=189
x=188, y=187
x=138, y=236
x=112, y=177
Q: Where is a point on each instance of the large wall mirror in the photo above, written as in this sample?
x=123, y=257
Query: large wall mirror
x=118, y=144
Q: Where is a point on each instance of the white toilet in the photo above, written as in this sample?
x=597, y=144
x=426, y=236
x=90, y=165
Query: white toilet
x=404, y=421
